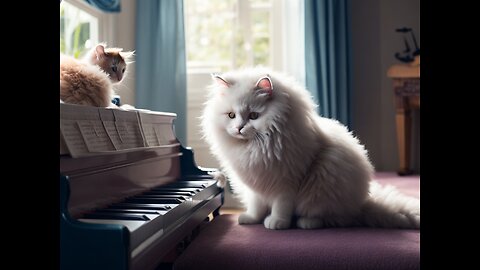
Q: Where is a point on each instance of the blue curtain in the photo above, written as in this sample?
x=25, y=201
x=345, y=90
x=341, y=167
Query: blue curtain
x=328, y=56
x=160, y=60
x=106, y=5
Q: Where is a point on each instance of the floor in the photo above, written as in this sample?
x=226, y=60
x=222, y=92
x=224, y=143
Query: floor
x=409, y=185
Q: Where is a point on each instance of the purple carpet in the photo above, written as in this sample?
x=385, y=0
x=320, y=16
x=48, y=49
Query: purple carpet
x=223, y=244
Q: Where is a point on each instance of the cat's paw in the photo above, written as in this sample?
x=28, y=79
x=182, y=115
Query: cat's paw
x=248, y=219
x=309, y=223
x=220, y=177
x=276, y=223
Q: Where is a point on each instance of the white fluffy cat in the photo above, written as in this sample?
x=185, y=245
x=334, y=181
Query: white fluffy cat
x=288, y=164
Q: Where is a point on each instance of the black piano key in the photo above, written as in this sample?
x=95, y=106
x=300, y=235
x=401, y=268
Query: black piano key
x=119, y=216
x=143, y=206
x=156, y=196
x=197, y=177
x=181, y=184
x=176, y=189
x=131, y=211
x=154, y=200
x=169, y=192
x=180, y=193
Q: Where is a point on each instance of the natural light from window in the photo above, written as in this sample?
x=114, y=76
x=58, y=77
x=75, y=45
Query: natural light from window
x=227, y=34
x=78, y=30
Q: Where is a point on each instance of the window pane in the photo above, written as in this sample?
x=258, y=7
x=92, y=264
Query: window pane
x=260, y=2
x=209, y=33
x=227, y=34
x=261, y=37
x=76, y=30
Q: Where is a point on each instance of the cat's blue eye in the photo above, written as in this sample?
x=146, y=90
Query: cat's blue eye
x=231, y=115
x=114, y=68
x=253, y=115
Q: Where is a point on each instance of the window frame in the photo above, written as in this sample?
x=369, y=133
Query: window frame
x=106, y=26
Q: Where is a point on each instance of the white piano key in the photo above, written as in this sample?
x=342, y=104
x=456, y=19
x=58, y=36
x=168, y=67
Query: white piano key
x=132, y=225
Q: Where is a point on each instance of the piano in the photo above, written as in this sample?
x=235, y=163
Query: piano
x=129, y=191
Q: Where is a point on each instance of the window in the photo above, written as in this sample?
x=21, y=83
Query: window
x=82, y=26
x=228, y=34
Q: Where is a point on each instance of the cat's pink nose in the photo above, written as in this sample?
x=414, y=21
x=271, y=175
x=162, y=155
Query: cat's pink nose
x=239, y=130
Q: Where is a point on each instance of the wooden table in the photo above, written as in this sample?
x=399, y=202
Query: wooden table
x=406, y=87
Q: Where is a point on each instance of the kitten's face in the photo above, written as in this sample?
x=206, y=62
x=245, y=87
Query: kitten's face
x=242, y=108
x=113, y=61
x=114, y=65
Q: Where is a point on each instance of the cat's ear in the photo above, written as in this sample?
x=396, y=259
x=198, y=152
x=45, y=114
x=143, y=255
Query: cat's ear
x=265, y=86
x=219, y=80
x=100, y=51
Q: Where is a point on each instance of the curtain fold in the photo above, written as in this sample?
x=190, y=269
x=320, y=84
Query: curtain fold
x=106, y=5
x=160, y=60
x=328, y=56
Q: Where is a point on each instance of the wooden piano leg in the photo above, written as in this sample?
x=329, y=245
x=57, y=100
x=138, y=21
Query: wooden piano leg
x=404, y=120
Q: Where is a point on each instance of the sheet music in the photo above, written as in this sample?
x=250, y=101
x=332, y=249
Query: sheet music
x=89, y=130
x=157, y=129
x=75, y=144
x=123, y=129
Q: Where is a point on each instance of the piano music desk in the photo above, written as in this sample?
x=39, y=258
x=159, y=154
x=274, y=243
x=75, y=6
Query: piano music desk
x=406, y=87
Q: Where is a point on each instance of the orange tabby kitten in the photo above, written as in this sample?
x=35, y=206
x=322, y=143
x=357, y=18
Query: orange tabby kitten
x=89, y=81
x=112, y=60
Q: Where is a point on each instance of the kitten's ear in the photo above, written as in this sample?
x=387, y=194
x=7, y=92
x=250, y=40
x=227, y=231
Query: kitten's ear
x=265, y=86
x=100, y=51
x=219, y=80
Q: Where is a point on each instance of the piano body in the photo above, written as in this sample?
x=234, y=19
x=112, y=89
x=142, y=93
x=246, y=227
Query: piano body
x=129, y=191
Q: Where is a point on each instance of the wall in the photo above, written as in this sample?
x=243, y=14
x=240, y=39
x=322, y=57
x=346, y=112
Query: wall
x=374, y=43
x=124, y=37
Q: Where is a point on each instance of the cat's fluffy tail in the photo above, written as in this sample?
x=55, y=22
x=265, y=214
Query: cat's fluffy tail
x=388, y=208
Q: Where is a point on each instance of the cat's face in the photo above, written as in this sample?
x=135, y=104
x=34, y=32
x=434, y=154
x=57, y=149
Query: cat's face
x=112, y=61
x=242, y=107
x=115, y=66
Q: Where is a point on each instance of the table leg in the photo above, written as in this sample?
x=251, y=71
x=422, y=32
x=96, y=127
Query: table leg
x=404, y=121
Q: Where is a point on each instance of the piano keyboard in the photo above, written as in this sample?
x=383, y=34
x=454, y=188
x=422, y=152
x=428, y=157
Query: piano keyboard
x=150, y=212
